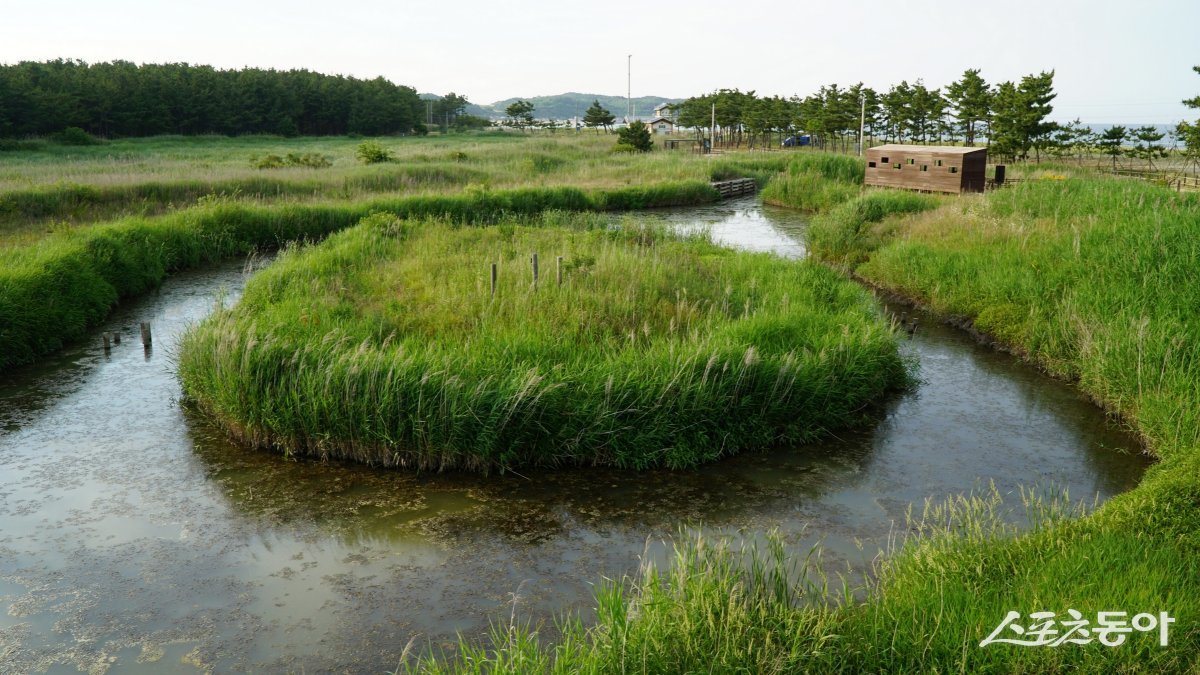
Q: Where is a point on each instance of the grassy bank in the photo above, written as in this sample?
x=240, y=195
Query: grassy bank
x=385, y=345
x=1094, y=280
x=54, y=290
x=721, y=606
x=816, y=182
x=1091, y=278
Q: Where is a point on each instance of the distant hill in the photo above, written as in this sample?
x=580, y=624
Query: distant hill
x=472, y=109
x=573, y=104
x=565, y=106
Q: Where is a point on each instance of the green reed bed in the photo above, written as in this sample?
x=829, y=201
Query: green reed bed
x=815, y=182
x=150, y=176
x=55, y=289
x=851, y=230
x=385, y=345
x=25, y=209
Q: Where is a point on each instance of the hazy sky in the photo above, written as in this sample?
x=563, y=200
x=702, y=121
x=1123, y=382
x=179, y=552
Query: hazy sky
x=1117, y=62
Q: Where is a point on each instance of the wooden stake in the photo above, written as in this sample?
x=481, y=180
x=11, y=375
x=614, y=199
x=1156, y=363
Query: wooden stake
x=146, y=334
x=107, y=338
x=535, y=270
x=493, y=280
x=116, y=338
x=560, y=270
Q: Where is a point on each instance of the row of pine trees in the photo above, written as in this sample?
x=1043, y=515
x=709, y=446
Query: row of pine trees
x=1012, y=117
x=125, y=99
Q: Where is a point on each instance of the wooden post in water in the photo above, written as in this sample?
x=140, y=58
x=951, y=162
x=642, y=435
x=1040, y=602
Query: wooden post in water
x=107, y=339
x=560, y=270
x=146, y=334
x=535, y=270
x=116, y=338
x=493, y=280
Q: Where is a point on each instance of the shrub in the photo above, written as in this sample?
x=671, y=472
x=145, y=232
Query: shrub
x=637, y=136
x=267, y=162
x=76, y=136
x=371, y=152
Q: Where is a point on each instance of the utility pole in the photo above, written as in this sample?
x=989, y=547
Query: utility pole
x=862, y=124
x=628, y=88
x=712, y=130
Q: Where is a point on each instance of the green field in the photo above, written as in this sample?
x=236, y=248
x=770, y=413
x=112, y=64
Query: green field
x=63, y=187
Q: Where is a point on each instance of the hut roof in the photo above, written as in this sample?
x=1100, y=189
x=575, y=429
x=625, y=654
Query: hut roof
x=944, y=149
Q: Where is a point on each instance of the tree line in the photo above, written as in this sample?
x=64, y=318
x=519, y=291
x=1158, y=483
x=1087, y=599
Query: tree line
x=125, y=99
x=1013, y=118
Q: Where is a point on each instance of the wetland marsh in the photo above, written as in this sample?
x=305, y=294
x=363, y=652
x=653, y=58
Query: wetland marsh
x=138, y=538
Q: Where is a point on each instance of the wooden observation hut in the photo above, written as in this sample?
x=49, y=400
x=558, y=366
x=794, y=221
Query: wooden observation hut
x=935, y=168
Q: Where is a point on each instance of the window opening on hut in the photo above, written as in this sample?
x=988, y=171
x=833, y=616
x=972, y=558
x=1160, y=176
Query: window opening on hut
x=912, y=161
x=884, y=160
x=954, y=169
x=924, y=167
x=939, y=162
x=871, y=164
x=896, y=165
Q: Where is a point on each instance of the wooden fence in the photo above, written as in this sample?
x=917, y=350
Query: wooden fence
x=1172, y=180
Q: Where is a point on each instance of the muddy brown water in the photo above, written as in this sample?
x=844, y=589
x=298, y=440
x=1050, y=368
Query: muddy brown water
x=135, y=538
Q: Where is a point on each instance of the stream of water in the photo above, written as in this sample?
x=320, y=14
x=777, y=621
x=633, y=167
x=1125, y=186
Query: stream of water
x=135, y=538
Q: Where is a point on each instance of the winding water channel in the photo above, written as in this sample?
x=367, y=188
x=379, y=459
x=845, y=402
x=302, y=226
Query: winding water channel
x=135, y=538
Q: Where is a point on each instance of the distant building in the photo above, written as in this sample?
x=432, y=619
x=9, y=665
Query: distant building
x=661, y=125
x=663, y=121
x=936, y=168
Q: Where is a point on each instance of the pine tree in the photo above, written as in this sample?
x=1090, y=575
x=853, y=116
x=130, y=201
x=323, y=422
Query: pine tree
x=972, y=102
x=1019, y=115
x=1190, y=133
x=598, y=116
x=1147, y=147
x=1111, y=142
x=637, y=136
x=1195, y=101
x=520, y=113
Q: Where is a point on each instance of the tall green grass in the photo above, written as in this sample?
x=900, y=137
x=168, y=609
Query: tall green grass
x=720, y=607
x=816, y=182
x=850, y=231
x=1094, y=279
x=385, y=345
x=54, y=290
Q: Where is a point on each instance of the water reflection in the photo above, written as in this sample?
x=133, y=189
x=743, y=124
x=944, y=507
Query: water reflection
x=135, y=536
